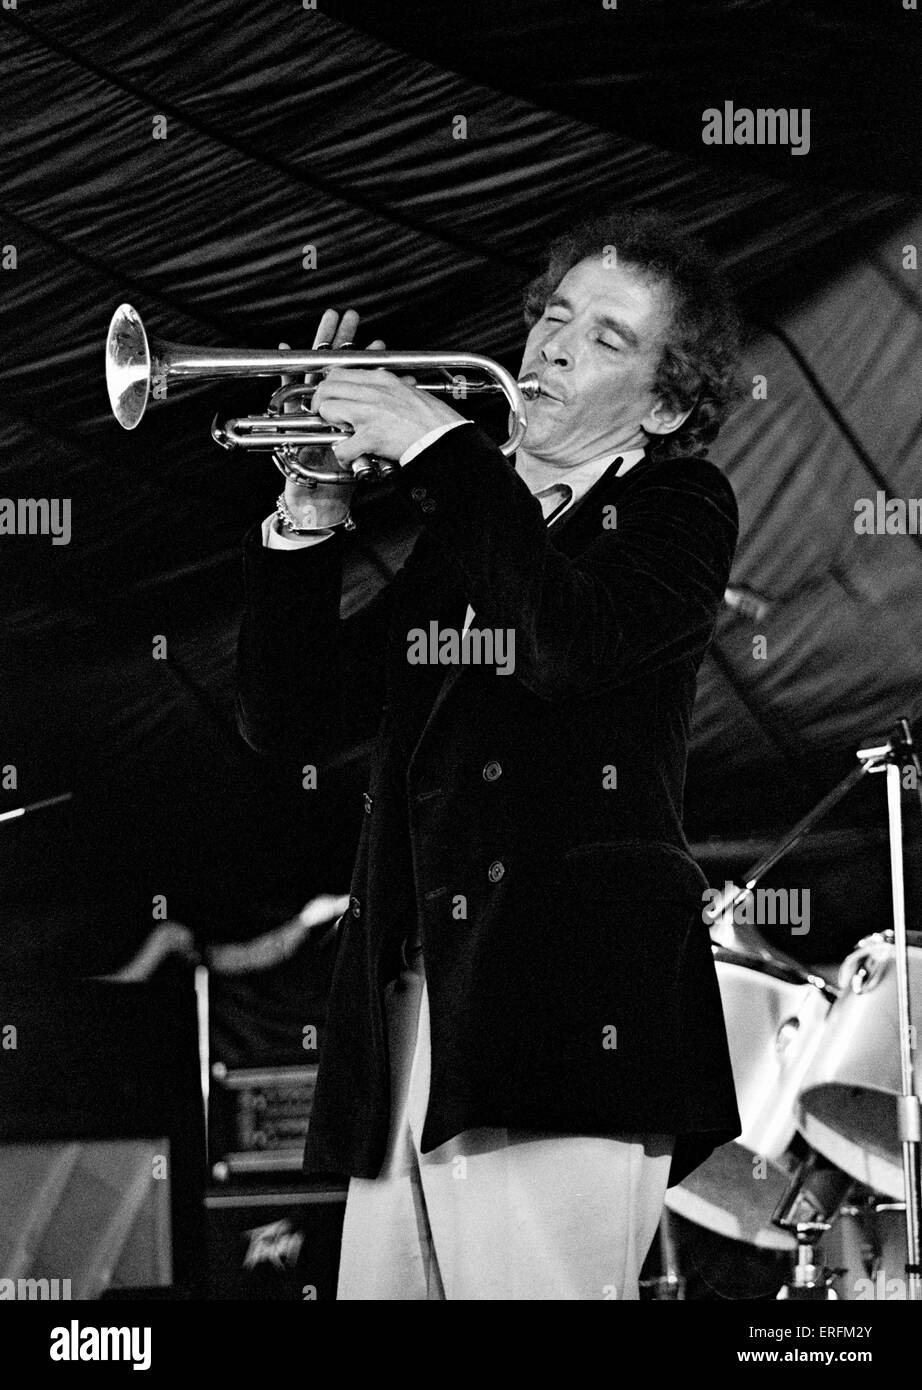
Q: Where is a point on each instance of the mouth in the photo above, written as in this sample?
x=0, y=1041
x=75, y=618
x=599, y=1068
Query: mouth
x=547, y=395
x=545, y=392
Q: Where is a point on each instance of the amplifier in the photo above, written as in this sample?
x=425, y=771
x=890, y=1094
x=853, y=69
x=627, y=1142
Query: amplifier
x=271, y=1242
x=258, y=1119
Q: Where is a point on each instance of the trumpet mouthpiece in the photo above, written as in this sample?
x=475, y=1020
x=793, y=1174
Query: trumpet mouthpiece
x=530, y=386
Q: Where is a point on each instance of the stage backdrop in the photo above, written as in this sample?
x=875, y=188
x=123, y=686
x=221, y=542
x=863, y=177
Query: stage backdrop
x=232, y=169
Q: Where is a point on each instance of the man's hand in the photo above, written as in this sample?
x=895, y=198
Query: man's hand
x=386, y=413
x=327, y=504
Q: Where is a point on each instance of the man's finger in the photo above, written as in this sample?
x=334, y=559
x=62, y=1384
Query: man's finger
x=336, y=334
x=360, y=379
x=344, y=337
x=286, y=347
x=326, y=329
x=348, y=450
x=379, y=345
x=336, y=410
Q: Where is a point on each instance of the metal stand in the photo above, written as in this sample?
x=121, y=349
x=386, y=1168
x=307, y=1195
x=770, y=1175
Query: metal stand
x=811, y=1282
x=892, y=757
x=749, y=941
x=814, y=1195
x=669, y=1285
x=35, y=806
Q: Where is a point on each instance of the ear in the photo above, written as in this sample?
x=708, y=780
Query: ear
x=662, y=420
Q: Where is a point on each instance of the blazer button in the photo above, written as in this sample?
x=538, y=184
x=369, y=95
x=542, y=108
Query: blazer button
x=427, y=506
x=492, y=771
x=418, y=493
x=369, y=801
x=495, y=871
x=355, y=907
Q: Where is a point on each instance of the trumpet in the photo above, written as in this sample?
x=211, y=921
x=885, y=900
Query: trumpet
x=140, y=368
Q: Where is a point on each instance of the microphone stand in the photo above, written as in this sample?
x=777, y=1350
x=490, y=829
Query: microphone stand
x=35, y=806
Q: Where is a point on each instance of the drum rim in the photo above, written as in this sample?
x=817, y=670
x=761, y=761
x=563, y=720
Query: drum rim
x=778, y=970
x=887, y=937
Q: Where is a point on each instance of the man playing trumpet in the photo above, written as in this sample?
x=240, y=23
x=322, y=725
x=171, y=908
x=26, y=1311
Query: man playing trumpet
x=525, y=1042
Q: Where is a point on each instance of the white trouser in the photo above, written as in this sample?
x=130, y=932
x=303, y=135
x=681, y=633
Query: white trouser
x=494, y=1213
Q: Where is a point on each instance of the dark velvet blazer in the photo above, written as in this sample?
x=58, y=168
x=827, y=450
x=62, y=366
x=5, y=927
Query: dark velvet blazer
x=530, y=824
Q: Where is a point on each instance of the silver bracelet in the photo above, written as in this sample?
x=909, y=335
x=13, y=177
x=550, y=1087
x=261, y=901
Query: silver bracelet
x=288, y=521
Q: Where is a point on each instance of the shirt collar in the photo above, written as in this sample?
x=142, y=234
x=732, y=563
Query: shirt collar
x=577, y=481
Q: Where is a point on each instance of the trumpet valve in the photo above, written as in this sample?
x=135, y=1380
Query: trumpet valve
x=219, y=436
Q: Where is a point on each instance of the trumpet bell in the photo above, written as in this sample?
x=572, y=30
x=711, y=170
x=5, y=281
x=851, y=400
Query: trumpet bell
x=128, y=367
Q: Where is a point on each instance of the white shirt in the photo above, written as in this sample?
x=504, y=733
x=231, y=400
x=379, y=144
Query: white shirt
x=555, y=498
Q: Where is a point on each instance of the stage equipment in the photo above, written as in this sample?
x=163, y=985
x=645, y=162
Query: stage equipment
x=854, y=1102
x=259, y=1119
x=816, y=1193
x=101, y=1138
x=848, y=1107
x=775, y=1012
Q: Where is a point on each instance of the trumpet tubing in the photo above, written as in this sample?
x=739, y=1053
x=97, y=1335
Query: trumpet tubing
x=139, y=367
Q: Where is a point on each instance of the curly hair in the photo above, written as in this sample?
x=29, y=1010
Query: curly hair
x=699, y=361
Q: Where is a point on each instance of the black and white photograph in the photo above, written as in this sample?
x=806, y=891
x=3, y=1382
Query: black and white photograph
x=461, y=671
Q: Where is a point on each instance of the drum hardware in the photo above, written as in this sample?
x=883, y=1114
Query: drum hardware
x=669, y=1285
x=746, y=942
x=857, y=1229
x=808, y=1208
x=891, y=757
x=848, y=1106
x=810, y=1281
x=745, y=939
x=868, y=1237
x=663, y=1289
x=849, y=1103
x=872, y=1203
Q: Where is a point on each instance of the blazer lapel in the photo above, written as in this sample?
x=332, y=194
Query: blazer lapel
x=581, y=523
x=571, y=534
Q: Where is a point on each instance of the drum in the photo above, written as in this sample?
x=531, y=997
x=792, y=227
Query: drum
x=775, y=1013
x=867, y=1248
x=847, y=1108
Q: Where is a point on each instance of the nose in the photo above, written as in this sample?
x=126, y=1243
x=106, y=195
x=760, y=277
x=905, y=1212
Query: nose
x=556, y=352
